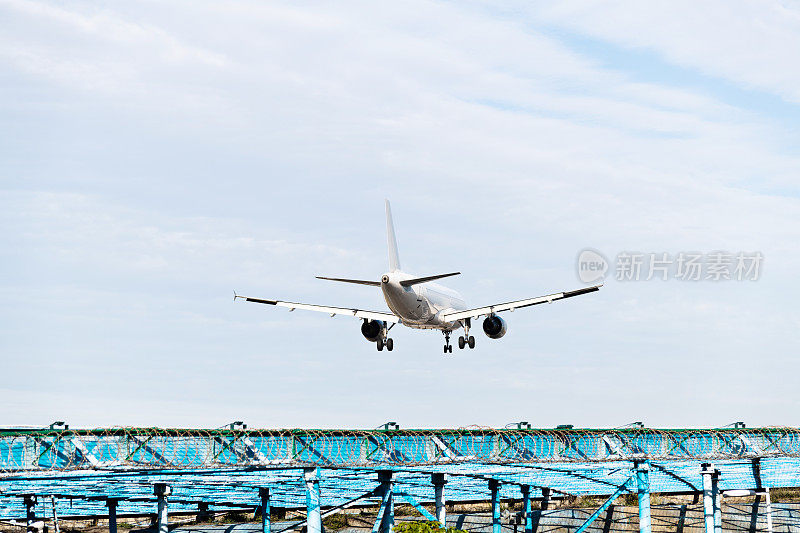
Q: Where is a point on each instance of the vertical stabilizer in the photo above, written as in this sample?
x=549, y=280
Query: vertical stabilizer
x=394, y=259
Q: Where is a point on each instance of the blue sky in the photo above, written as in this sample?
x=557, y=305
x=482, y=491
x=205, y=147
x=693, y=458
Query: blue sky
x=157, y=156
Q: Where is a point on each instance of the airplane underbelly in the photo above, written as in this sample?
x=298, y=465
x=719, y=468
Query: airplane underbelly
x=403, y=305
x=408, y=307
x=421, y=309
x=428, y=317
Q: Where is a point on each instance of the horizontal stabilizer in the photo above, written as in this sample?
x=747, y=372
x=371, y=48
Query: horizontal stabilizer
x=356, y=281
x=415, y=281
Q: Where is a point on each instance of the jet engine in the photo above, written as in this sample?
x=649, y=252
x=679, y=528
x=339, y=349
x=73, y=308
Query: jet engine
x=373, y=329
x=494, y=327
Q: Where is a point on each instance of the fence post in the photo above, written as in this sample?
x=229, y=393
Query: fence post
x=266, y=512
x=313, y=514
x=162, y=490
x=643, y=490
x=111, y=503
x=526, y=508
x=439, y=481
x=30, y=512
x=711, y=509
x=494, y=487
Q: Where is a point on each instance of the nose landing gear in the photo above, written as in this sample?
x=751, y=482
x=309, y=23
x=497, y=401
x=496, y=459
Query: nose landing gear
x=448, y=348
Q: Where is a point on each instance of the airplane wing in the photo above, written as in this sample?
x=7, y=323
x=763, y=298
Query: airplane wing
x=333, y=311
x=510, y=306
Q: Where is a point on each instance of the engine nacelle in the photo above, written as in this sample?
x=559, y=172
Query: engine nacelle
x=494, y=327
x=373, y=329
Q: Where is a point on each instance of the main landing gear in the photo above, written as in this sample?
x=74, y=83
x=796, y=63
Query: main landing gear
x=389, y=343
x=448, y=348
x=467, y=339
x=385, y=340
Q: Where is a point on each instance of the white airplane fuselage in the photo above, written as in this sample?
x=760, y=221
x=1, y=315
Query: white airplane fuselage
x=421, y=306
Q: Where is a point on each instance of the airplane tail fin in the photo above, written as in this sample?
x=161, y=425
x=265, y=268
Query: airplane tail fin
x=394, y=258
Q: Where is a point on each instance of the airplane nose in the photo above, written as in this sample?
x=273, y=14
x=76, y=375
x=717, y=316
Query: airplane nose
x=385, y=279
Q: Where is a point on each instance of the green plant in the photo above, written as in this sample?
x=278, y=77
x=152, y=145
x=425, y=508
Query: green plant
x=423, y=527
x=334, y=522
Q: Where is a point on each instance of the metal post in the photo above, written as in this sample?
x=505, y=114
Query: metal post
x=717, y=503
x=546, y=491
x=55, y=514
x=756, y=461
x=643, y=490
x=203, y=514
x=111, y=503
x=313, y=515
x=162, y=490
x=30, y=512
x=711, y=510
x=439, y=481
x=494, y=487
x=263, y=493
x=387, y=520
x=526, y=508
x=681, y=519
x=769, y=511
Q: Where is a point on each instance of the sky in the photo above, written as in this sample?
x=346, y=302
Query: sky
x=157, y=156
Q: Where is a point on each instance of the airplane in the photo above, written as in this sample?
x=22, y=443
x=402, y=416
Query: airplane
x=417, y=302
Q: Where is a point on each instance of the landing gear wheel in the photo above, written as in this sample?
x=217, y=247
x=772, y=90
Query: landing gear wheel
x=467, y=338
x=379, y=345
x=445, y=348
x=450, y=348
x=389, y=344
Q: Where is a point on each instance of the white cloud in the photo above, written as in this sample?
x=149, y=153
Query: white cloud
x=79, y=233
x=751, y=43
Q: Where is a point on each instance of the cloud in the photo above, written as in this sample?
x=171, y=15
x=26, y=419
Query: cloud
x=95, y=50
x=80, y=233
x=753, y=44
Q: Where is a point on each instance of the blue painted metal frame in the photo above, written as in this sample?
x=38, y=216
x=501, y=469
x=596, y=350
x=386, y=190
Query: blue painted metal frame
x=643, y=493
x=494, y=489
x=418, y=506
x=82, y=470
x=51, y=449
x=526, y=508
x=589, y=521
x=266, y=510
x=386, y=522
